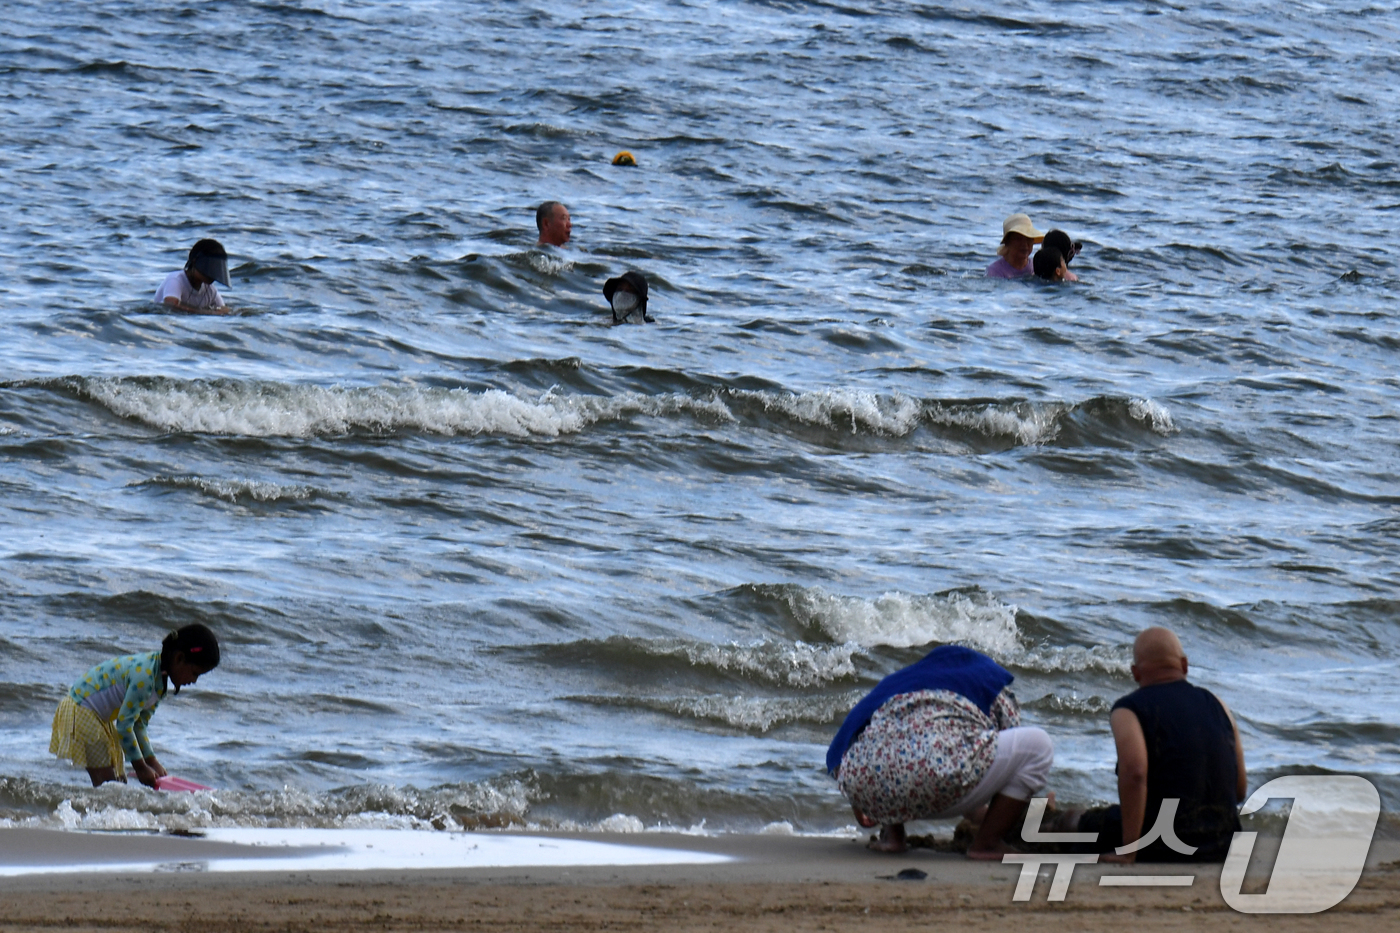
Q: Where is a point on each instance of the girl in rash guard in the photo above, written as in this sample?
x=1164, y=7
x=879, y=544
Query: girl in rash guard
x=101, y=722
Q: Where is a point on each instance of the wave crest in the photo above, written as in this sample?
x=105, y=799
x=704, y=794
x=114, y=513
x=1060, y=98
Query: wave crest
x=497, y=802
x=274, y=409
x=840, y=409
x=754, y=714
x=797, y=664
x=902, y=620
x=271, y=409
x=235, y=490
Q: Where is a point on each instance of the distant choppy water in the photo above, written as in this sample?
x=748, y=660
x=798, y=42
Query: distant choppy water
x=477, y=557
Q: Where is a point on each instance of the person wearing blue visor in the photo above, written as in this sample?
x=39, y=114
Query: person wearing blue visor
x=192, y=289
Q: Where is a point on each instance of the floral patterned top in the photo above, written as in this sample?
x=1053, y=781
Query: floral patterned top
x=125, y=692
x=922, y=753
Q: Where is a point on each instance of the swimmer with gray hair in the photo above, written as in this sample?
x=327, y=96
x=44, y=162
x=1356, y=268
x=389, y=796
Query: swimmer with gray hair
x=554, y=223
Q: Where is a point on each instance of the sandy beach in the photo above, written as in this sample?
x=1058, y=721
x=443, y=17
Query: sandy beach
x=768, y=883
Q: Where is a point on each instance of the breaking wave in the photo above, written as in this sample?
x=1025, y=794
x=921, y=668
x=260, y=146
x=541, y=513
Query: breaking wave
x=902, y=620
x=498, y=802
x=235, y=490
x=272, y=409
x=967, y=617
x=755, y=714
x=252, y=408
x=838, y=409
x=1019, y=423
x=793, y=664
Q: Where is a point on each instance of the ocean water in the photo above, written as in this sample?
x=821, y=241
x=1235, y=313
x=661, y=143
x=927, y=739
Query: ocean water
x=479, y=559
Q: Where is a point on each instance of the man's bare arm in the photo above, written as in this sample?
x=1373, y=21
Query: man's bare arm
x=1241, y=783
x=1132, y=772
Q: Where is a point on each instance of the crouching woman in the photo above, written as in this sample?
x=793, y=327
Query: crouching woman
x=939, y=739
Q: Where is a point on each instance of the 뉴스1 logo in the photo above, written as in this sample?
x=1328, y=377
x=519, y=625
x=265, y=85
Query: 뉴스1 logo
x=1320, y=859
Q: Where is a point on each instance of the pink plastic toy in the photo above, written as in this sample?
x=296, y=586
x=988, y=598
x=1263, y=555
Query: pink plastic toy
x=172, y=783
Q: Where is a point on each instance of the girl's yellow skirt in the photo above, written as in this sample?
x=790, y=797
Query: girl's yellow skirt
x=85, y=740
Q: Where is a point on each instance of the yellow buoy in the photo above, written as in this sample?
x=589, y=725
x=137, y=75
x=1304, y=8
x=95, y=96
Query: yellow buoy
x=625, y=158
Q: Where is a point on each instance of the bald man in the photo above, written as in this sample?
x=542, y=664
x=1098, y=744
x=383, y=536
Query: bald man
x=1175, y=741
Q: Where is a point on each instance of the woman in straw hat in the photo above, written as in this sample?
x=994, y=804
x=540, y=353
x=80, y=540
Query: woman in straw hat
x=1018, y=235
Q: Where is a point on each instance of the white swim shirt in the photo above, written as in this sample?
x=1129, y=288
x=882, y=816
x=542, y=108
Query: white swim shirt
x=177, y=284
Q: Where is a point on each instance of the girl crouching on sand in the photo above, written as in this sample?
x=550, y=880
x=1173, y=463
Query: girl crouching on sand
x=102, y=721
x=940, y=738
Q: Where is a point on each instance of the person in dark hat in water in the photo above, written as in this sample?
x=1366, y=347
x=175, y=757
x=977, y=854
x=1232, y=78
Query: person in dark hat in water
x=192, y=288
x=627, y=295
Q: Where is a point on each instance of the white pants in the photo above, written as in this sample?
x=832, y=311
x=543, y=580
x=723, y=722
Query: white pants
x=1024, y=757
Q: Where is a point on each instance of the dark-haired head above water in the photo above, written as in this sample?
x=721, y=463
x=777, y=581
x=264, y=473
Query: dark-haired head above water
x=209, y=259
x=1060, y=240
x=1050, y=265
x=192, y=288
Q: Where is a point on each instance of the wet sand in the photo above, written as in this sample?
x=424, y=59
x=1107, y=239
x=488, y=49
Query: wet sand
x=771, y=883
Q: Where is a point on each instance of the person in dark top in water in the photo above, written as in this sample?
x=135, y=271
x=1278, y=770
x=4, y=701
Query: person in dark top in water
x=627, y=294
x=1176, y=741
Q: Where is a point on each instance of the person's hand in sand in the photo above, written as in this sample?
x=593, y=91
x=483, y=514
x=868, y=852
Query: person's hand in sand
x=940, y=738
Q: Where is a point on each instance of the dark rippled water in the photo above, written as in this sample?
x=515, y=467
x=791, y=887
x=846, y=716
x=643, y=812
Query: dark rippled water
x=476, y=556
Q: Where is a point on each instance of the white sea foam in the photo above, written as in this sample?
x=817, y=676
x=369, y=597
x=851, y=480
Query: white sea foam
x=1027, y=423
x=1072, y=705
x=234, y=490
x=762, y=713
x=901, y=620
x=490, y=804
x=620, y=823
x=1072, y=659
x=978, y=620
x=262, y=409
x=759, y=714
x=105, y=818
x=548, y=263
x=1156, y=415
x=843, y=410
x=797, y=664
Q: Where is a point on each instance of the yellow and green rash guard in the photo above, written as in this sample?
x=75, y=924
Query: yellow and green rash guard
x=124, y=691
